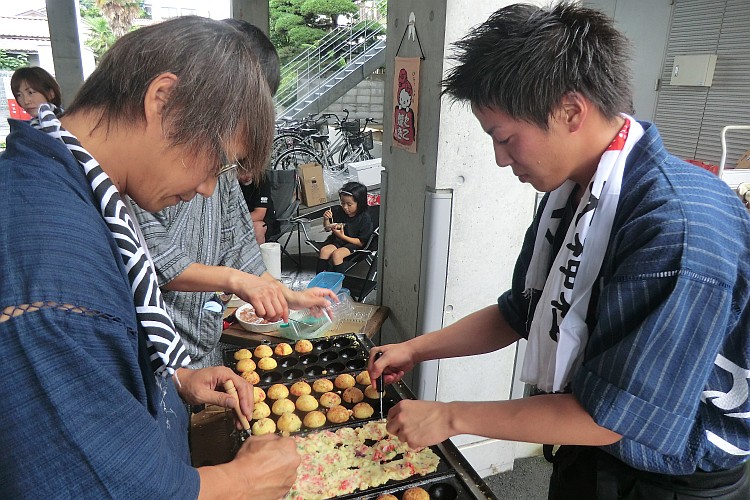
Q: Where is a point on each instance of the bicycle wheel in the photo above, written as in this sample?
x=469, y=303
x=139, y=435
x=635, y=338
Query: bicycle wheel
x=283, y=142
x=295, y=157
x=357, y=154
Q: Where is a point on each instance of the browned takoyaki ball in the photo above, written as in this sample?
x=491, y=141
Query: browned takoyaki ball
x=363, y=378
x=330, y=399
x=281, y=406
x=371, y=392
x=261, y=410
x=344, y=380
x=289, y=422
x=242, y=354
x=314, y=419
x=263, y=426
x=282, y=349
x=266, y=364
x=303, y=346
x=277, y=391
x=352, y=395
x=263, y=351
x=259, y=395
x=416, y=493
x=251, y=377
x=306, y=402
x=245, y=365
x=300, y=388
x=322, y=385
x=338, y=414
x=362, y=410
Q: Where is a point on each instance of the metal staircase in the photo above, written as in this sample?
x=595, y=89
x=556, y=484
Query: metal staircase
x=318, y=77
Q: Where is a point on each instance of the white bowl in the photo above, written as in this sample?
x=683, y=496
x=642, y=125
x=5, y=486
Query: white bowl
x=253, y=323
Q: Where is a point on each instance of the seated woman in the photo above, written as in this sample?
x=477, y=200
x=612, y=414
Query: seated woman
x=32, y=87
x=350, y=225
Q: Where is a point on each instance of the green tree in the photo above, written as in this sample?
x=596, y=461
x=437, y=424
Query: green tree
x=299, y=24
x=108, y=20
x=12, y=63
x=120, y=14
x=100, y=36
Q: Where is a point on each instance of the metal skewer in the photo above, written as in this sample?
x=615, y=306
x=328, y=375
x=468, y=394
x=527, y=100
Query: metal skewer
x=379, y=386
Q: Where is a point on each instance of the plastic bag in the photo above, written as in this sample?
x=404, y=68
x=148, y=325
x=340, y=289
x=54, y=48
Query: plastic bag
x=334, y=179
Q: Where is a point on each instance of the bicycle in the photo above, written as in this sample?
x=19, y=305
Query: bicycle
x=354, y=144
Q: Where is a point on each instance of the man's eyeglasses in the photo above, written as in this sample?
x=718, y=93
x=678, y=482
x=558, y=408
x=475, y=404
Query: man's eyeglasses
x=225, y=166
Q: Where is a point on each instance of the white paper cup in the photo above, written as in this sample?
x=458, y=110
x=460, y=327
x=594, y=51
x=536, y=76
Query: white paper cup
x=271, y=255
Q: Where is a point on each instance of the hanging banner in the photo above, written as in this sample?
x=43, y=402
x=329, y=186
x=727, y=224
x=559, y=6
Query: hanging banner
x=406, y=99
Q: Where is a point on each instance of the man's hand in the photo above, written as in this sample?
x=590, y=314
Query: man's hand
x=316, y=299
x=264, y=469
x=266, y=297
x=207, y=386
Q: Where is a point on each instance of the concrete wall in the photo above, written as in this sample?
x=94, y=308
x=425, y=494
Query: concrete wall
x=648, y=36
x=363, y=101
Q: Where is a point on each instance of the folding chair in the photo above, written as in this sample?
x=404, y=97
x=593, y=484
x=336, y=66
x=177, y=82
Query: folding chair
x=285, y=195
x=361, y=287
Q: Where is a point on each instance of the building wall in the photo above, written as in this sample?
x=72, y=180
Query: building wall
x=363, y=101
x=690, y=119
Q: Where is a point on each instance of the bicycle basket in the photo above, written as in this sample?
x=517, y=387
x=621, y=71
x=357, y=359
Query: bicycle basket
x=350, y=126
x=367, y=140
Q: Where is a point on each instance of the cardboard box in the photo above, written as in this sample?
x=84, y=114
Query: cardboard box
x=311, y=181
x=367, y=172
x=744, y=161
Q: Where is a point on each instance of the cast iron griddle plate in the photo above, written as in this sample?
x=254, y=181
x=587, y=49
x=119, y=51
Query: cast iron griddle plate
x=329, y=356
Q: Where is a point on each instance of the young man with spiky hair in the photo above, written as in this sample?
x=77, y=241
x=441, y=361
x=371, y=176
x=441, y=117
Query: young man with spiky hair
x=632, y=285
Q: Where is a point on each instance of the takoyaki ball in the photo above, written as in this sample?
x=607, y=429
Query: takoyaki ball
x=263, y=426
x=261, y=410
x=242, y=354
x=416, y=493
x=267, y=364
x=282, y=349
x=251, y=377
x=306, y=402
x=330, y=399
x=386, y=496
x=344, y=380
x=263, y=351
x=371, y=392
x=282, y=406
x=352, y=395
x=362, y=410
x=300, y=388
x=314, y=419
x=303, y=346
x=363, y=378
x=322, y=385
x=245, y=365
x=258, y=395
x=338, y=414
x=289, y=422
x=277, y=391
